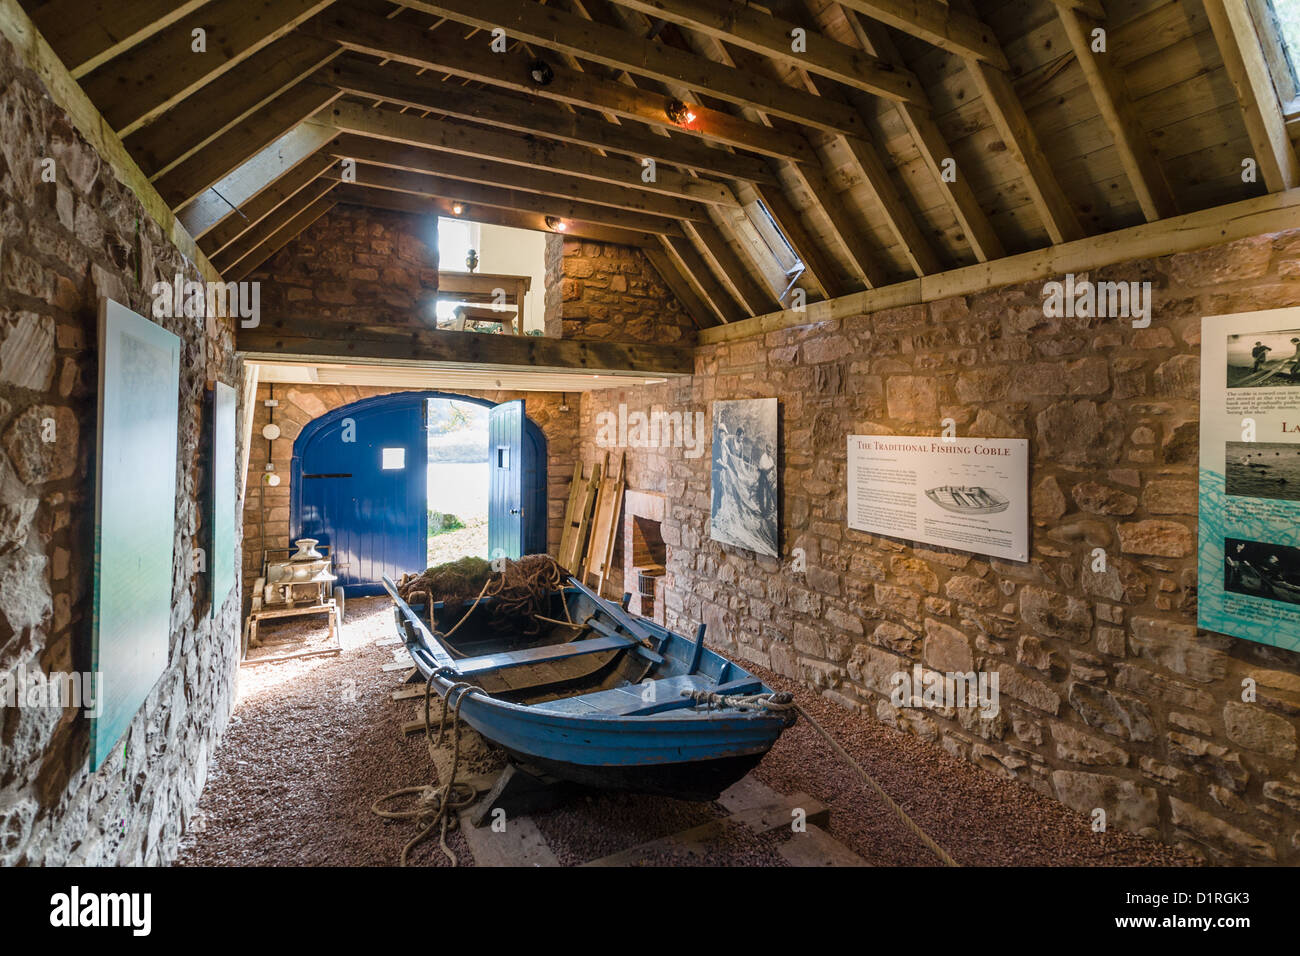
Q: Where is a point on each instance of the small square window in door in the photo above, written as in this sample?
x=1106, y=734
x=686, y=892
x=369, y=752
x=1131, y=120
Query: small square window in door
x=394, y=459
x=503, y=456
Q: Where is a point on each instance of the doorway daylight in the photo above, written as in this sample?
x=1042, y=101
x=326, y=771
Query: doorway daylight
x=459, y=480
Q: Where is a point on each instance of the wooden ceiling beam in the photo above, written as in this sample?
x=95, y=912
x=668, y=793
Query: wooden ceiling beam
x=1243, y=59
x=939, y=24
x=237, y=188
x=473, y=196
x=699, y=311
x=301, y=335
x=720, y=299
x=235, y=252
x=134, y=89
x=848, y=233
x=845, y=227
x=228, y=100
x=409, y=43
x=934, y=149
x=557, y=29
x=243, y=141
x=396, y=83
x=1054, y=209
x=520, y=150
x=379, y=152
x=290, y=231
x=262, y=204
x=517, y=219
x=772, y=36
x=754, y=294
x=86, y=35
x=722, y=307
x=1143, y=170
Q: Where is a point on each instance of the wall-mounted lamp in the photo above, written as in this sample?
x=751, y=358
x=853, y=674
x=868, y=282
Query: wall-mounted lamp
x=679, y=113
x=457, y=208
x=540, y=72
x=556, y=224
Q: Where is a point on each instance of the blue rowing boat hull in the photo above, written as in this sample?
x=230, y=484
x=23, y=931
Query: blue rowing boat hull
x=644, y=736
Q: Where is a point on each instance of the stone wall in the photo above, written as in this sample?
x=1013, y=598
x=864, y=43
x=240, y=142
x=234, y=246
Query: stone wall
x=355, y=265
x=63, y=245
x=613, y=293
x=266, y=509
x=1110, y=696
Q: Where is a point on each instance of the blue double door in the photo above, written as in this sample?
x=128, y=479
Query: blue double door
x=361, y=485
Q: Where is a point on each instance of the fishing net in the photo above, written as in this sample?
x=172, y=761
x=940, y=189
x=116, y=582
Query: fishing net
x=522, y=590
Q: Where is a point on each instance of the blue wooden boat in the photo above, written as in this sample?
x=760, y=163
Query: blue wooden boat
x=604, y=701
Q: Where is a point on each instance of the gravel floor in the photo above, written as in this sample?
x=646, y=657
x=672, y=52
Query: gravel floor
x=979, y=818
x=314, y=742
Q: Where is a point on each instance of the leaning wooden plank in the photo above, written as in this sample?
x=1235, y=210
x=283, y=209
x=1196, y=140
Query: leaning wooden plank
x=570, y=510
x=604, y=530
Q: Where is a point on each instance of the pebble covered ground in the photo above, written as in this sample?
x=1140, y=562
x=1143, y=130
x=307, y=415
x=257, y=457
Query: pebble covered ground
x=313, y=742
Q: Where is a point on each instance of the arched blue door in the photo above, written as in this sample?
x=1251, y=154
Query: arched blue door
x=360, y=484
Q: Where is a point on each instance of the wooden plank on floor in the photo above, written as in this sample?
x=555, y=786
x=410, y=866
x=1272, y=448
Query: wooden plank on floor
x=816, y=847
x=759, y=819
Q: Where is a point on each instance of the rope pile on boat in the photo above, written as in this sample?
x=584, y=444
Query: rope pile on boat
x=783, y=702
x=522, y=589
x=435, y=806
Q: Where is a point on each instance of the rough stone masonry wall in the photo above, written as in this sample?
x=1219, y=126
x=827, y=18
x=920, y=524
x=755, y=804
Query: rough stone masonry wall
x=356, y=266
x=613, y=293
x=62, y=246
x=1110, y=695
x=266, y=508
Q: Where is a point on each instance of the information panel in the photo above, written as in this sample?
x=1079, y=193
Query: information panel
x=970, y=494
x=1249, y=583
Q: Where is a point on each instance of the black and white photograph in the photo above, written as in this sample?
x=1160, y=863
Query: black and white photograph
x=745, y=508
x=1270, y=571
x=1254, y=469
x=1264, y=359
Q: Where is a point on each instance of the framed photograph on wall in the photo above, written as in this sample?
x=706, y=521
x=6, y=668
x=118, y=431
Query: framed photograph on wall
x=746, y=504
x=135, y=517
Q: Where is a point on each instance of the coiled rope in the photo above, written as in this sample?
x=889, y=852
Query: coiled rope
x=783, y=702
x=435, y=805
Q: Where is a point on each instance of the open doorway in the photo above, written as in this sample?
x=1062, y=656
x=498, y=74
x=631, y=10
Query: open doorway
x=367, y=479
x=458, y=480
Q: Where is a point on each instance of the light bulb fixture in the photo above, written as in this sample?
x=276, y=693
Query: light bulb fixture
x=540, y=72
x=556, y=224
x=679, y=113
x=457, y=208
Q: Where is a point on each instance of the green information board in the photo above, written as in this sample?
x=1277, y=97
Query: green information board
x=222, y=559
x=135, y=516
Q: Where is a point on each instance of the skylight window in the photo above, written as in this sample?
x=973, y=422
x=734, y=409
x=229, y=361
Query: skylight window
x=1278, y=24
x=785, y=266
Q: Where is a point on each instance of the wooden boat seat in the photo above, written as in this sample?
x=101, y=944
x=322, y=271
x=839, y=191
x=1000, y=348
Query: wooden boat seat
x=487, y=663
x=631, y=700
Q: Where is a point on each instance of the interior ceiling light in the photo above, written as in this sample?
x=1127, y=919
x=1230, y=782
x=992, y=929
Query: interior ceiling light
x=679, y=113
x=540, y=72
x=556, y=224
